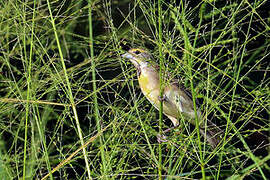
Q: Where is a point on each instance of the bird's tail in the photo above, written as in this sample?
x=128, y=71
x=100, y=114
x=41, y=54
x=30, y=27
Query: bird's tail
x=212, y=133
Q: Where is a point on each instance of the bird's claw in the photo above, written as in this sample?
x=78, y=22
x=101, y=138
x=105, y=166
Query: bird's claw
x=161, y=138
x=163, y=98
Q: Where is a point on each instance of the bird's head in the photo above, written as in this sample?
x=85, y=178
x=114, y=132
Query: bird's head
x=140, y=58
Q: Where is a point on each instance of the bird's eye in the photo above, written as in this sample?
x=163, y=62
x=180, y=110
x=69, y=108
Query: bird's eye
x=137, y=52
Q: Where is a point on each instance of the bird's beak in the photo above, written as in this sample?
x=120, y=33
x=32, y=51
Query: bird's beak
x=131, y=58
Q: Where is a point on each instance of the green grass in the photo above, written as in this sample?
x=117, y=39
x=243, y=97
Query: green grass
x=71, y=107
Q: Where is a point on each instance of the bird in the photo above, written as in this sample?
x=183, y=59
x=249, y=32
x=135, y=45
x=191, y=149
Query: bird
x=177, y=101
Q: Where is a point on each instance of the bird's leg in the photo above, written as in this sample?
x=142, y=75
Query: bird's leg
x=160, y=137
x=169, y=129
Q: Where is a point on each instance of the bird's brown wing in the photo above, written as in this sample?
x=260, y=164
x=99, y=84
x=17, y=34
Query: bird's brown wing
x=213, y=133
x=187, y=91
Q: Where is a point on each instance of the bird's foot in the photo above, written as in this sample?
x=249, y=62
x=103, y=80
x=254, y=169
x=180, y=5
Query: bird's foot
x=163, y=98
x=161, y=138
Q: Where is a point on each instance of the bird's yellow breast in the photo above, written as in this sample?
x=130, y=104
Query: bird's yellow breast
x=144, y=83
x=149, y=84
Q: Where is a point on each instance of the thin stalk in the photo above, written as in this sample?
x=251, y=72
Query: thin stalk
x=161, y=64
x=28, y=80
x=69, y=91
x=103, y=159
x=188, y=57
x=237, y=75
x=228, y=119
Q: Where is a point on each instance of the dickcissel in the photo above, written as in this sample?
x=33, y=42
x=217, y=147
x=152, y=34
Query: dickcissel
x=177, y=101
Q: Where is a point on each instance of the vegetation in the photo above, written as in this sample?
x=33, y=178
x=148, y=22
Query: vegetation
x=71, y=107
